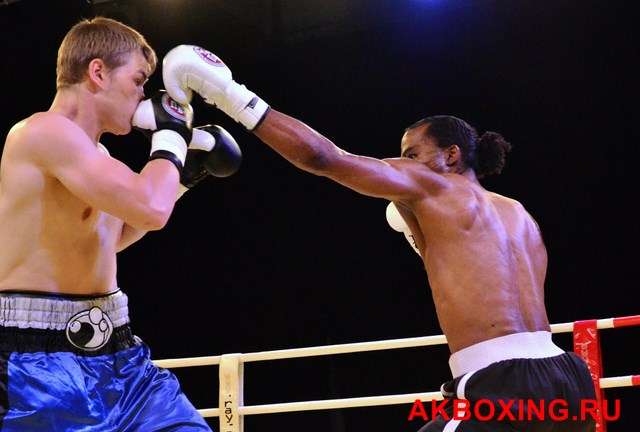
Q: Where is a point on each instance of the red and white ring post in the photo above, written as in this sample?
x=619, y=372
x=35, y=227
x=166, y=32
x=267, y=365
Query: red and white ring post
x=586, y=343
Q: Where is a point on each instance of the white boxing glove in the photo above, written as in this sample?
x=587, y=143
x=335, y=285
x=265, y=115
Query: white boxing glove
x=396, y=222
x=188, y=67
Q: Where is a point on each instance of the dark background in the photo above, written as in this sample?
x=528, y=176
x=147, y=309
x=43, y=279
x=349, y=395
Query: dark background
x=275, y=258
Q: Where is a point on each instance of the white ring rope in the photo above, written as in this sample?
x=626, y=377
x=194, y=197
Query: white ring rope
x=612, y=382
x=341, y=348
x=329, y=404
x=241, y=358
x=308, y=352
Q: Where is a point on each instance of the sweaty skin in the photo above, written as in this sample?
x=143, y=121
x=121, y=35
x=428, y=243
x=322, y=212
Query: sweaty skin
x=483, y=253
x=66, y=207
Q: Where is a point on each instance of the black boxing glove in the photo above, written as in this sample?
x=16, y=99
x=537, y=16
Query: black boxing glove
x=212, y=151
x=169, y=124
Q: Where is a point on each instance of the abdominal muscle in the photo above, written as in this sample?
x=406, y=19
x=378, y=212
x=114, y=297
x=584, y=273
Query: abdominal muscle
x=58, y=244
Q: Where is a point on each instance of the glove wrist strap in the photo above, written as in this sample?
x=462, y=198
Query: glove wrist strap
x=169, y=141
x=168, y=144
x=244, y=106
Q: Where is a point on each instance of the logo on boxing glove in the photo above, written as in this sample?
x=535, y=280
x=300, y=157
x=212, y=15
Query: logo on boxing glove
x=208, y=57
x=90, y=329
x=173, y=108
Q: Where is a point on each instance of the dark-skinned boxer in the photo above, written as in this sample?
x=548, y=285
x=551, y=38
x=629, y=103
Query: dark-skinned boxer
x=483, y=252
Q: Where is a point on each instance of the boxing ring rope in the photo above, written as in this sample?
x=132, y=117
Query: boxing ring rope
x=231, y=371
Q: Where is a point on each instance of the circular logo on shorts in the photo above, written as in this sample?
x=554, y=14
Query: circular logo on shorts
x=90, y=329
x=208, y=57
x=173, y=108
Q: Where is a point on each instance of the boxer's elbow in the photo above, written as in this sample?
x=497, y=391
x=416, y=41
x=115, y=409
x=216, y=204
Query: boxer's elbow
x=153, y=215
x=146, y=221
x=157, y=216
x=316, y=163
x=321, y=158
x=155, y=223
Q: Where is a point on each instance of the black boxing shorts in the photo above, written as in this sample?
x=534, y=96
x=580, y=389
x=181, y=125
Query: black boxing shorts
x=520, y=382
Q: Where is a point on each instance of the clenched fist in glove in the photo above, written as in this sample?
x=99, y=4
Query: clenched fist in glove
x=169, y=124
x=212, y=151
x=188, y=68
x=398, y=224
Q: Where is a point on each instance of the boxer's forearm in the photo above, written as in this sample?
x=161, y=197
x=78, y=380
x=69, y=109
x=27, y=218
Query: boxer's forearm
x=297, y=142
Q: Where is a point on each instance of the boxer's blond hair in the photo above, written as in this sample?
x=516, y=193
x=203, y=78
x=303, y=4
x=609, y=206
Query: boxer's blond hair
x=99, y=38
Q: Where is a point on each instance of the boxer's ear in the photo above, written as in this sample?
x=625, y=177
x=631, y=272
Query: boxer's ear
x=96, y=72
x=452, y=155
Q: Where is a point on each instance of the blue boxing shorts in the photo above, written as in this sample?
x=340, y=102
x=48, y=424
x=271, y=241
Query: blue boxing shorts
x=71, y=363
x=519, y=382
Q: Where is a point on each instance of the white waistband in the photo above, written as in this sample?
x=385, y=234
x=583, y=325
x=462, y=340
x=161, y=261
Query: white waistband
x=53, y=312
x=532, y=345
